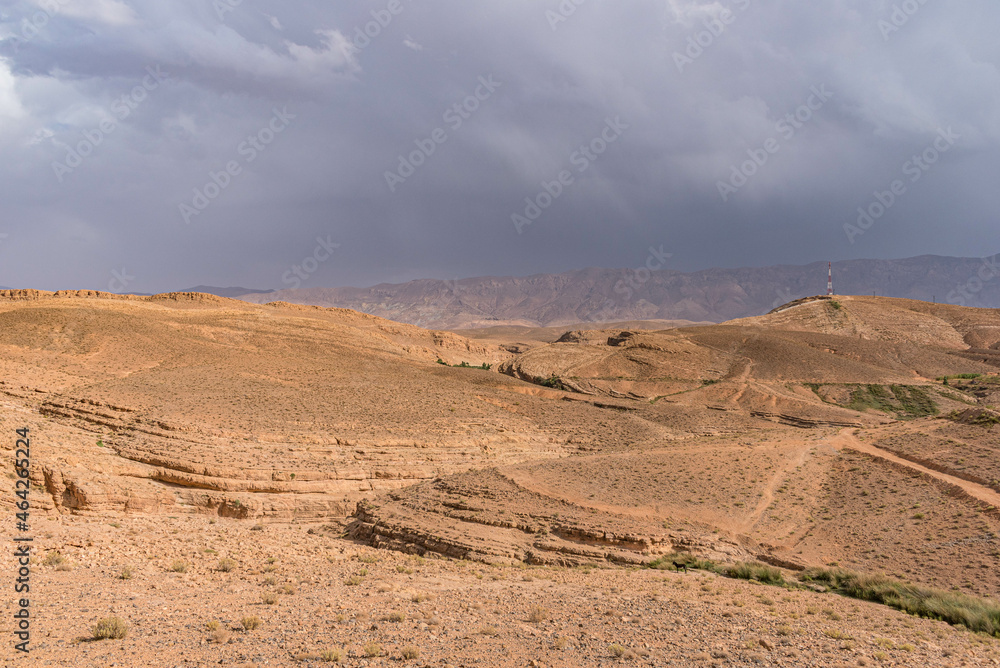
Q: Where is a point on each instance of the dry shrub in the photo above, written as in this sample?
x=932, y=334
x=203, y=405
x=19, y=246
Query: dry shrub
x=110, y=628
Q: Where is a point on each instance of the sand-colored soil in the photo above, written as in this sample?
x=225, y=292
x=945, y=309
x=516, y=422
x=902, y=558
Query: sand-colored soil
x=380, y=496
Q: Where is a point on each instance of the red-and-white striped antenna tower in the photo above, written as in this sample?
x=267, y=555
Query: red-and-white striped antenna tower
x=829, y=281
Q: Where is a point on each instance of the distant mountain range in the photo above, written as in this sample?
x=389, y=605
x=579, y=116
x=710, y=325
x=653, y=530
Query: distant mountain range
x=232, y=293
x=606, y=295
x=611, y=295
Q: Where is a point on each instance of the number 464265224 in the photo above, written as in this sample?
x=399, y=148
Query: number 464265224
x=23, y=465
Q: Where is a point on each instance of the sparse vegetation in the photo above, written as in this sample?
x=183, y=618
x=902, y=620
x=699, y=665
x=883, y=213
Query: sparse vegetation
x=977, y=614
x=53, y=558
x=465, y=365
x=250, y=623
x=754, y=571
x=220, y=636
x=226, y=565
x=669, y=562
x=179, y=566
x=373, y=650
x=982, y=417
x=110, y=628
x=410, y=653
x=903, y=401
x=552, y=381
x=333, y=655
x=538, y=614
x=395, y=617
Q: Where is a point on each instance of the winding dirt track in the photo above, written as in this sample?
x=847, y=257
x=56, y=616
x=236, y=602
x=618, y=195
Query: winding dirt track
x=847, y=439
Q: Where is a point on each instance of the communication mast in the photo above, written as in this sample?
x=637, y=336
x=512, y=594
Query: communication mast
x=829, y=281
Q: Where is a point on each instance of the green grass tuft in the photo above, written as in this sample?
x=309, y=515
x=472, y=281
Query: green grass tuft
x=666, y=563
x=976, y=614
x=754, y=571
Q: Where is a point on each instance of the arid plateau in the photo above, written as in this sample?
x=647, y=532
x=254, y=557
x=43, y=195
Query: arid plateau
x=288, y=485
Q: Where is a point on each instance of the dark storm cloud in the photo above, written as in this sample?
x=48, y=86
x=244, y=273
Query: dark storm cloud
x=230, y=141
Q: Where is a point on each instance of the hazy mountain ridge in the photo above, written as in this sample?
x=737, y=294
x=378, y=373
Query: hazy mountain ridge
x=232, y=292
x=602, y=295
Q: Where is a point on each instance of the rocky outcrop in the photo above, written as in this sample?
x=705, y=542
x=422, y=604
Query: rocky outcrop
x=485, y=516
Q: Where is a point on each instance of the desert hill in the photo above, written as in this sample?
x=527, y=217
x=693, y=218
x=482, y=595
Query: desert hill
x=199, y=391
x=811, y=374
x=239, y=459
x=187, y=400
x=748, y=363
x=890, y=320
x=609, y=295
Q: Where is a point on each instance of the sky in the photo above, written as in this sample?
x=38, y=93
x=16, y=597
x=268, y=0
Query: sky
x=152, y=146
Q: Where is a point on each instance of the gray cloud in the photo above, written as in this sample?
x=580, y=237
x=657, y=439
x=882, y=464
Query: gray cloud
x=358, y=105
